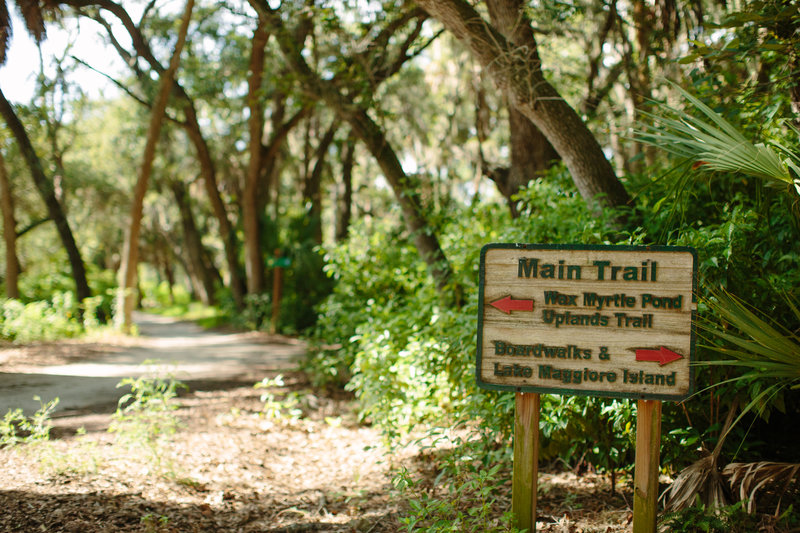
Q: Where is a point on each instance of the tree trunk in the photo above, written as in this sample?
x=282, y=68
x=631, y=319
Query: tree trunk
x=345, y=204
x=406, y=192
x=254, y=261
x=517, y=72
x=130, y=255
x=531, y=153
x=230, y=242
x=9, y=232
x=313, y=184
x=46, y=191
x=199, y=264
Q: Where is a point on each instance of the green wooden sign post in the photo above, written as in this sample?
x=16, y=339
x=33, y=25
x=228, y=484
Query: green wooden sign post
x=615, y=321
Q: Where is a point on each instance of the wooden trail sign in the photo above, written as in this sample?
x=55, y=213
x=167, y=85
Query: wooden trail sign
x=593, y=320
x=613, y=321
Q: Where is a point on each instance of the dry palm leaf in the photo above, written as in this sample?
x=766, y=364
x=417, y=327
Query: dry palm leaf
x=701, y=479
x=748, y=478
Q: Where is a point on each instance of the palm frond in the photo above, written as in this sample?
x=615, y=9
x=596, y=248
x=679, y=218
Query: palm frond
x=747, y=479
x=760, y=343
x=700, y=479
x=712, y=142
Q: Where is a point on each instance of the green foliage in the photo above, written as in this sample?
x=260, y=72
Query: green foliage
x=257, y=311
x=80, y=459
x=469, y=502
x=155, y=523
x=16, y=428
x=410, y=359
x=58, y=317
x=598, y=431
x=747, y=242
x=717, y=145
x=554, y=212
x=767, y=352
x=41, y=320
x=159, y=295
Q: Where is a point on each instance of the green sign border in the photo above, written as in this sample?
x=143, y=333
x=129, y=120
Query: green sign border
x=587, y=392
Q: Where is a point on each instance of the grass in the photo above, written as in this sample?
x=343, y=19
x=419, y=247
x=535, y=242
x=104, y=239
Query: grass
x=207, y=317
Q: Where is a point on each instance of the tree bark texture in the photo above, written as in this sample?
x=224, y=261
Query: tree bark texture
x=45, y=188
x=130, y=256
x=9, y=232
x=230, y=242
x=531, y=152
x=312, y=187
x=199, y=264
x=345, y=204
x=517, y=71
x=254, y=261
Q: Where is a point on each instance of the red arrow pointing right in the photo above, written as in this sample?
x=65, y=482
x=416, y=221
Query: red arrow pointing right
x=509, y=304
x=662, y=355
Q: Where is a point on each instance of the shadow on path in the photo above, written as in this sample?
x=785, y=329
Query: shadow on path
x=181, y=349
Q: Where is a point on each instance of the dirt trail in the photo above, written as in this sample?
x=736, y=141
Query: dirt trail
x=84, y=377
x=296, y=461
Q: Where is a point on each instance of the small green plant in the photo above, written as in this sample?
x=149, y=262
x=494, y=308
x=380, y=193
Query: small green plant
x=147, y=414
x=469, y=504
x=287, y=408
x=78, y=459
x=16, y=428
x=154, y=523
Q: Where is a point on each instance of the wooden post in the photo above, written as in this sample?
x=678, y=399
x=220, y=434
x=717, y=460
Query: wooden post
x=277, y=292
x=648, y=446
x=526, y=460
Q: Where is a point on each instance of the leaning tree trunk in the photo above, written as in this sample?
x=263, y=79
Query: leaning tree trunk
x=47, y=192
x=126, y=298
x=517, y=72
x=191, y=125
x=230, y=242
x=9, y=232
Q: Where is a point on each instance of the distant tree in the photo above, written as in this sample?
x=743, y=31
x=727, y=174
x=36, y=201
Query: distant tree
x=9, y=232
x=33, y=15
x=254, y=260
x=190, y=123
x=349, y=95
x=126, y=298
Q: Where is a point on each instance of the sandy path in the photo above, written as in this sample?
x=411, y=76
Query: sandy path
x=181, y=348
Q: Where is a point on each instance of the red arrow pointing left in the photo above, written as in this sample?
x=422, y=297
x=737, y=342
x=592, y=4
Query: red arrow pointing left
x=661, y=355
x=509, y=304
